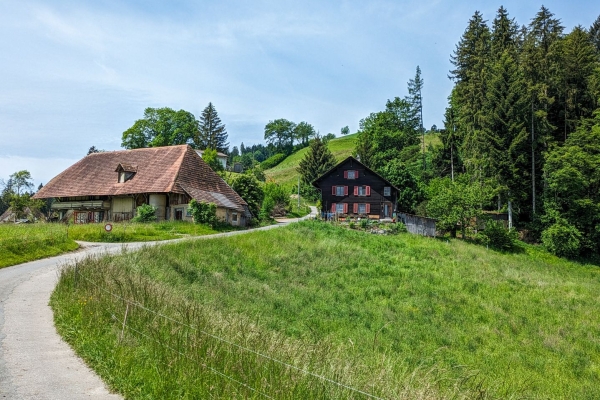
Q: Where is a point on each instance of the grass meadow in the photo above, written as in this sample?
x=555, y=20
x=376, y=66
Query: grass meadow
x=286, y=174
x=20, y=243
x=391, y=316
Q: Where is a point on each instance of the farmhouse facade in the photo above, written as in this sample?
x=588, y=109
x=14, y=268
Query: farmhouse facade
x=351, y=189
x=109, y=186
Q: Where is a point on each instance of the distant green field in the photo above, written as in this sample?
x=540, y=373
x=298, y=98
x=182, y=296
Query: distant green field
x=286, y=174
x=395, y=316
x=28, y=242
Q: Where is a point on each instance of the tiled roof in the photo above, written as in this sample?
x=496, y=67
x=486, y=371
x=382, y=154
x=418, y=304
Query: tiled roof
x=157, y=170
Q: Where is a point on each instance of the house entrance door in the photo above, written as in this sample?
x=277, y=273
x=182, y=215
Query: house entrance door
x=386, y=211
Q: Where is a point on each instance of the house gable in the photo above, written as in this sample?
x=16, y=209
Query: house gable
x=350, y=188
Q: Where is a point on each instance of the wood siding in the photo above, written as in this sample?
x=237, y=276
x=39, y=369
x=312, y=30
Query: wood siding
x=373, y=190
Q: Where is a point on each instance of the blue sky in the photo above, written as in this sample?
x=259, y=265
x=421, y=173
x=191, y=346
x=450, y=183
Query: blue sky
x=77, y=74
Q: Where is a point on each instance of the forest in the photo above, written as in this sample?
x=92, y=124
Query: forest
x=521, y=134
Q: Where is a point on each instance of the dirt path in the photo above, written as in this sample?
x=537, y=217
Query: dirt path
x=35, y=363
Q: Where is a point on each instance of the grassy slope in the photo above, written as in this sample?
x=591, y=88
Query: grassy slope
x=285, y=173
x=28, y=242
x=527, y=323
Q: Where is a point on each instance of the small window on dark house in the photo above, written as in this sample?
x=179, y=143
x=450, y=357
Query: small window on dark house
x=362, y=208
x=387, y=191
x=351, y=174
x=339, y=190
x=339, y=208
x=362, y=190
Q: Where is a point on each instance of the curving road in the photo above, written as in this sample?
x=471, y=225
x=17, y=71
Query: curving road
x=35, y=363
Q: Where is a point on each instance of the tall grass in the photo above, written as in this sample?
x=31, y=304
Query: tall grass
x=148, y=341
x=502, y=325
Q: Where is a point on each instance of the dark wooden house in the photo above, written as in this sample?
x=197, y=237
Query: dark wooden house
x=351, y=189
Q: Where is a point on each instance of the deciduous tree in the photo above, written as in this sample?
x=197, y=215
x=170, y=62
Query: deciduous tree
x=161, y=127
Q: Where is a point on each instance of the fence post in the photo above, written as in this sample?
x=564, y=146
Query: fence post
x=124, y=322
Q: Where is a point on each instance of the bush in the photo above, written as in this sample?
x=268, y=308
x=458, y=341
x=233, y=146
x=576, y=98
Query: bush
x=498, y=237
x=276, y=201
x=397, y=227
x=273, y=161
x=145, y=213
x=203, y=213
x=562, y=239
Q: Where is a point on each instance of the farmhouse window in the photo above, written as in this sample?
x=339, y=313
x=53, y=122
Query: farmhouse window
x=339, y=208
x=351, y=174
x=387, y=191
x=362, y=190
x=339, y=190
x=361, y=208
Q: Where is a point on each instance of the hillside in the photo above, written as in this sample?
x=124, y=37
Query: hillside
x=396, y=316
x=285, y=173
x=342, y=147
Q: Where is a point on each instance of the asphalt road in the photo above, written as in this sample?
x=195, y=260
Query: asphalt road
x=35, y=363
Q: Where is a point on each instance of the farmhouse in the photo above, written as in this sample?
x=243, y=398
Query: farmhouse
x=352, y=189
x=108, y=186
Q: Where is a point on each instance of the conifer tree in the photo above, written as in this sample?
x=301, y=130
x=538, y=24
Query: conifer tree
x=318, y=160
x=594, y=33
x=213, y=134
x=415, y=99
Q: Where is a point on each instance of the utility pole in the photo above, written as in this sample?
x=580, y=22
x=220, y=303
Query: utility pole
x=298, y=192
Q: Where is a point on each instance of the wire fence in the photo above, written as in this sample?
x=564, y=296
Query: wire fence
x=124, y=321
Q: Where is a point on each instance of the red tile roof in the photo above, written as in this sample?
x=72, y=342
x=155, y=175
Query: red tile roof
x=171, y=169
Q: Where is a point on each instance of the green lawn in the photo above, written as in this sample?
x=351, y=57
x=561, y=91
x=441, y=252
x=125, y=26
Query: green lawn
x=286, y=174
x=396, y=316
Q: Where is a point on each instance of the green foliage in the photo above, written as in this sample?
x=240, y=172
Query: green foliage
x=249, y=189
x=345, y=130
x=280, y=133
x=145, y=213
x=21, y=181
x=397, y=227
x=562, y=239
x=276, y=201
x=303, y=132
x=273, y=161
x=317, y=160
x=410, y=192
x=211, y=158
x=499, y=237
x=203, y=213
x=573, y=178
x=211, y=131
x=161, y=127
x=457, y=202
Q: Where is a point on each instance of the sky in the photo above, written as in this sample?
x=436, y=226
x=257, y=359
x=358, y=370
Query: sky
x=78, y=74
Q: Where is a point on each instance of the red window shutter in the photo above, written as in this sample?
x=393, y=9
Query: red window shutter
x=368, y=190
x=368, y=208
x=356, y=174
x=345, y=174
x=333, y=190
x=333, y=207
x=355, y=208
x=345, y=208
x=345, y=190
x=356, y=190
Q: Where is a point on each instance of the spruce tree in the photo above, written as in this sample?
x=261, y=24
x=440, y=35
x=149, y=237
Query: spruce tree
x=470, y=59
x=318, y=160
x=212, y=134
x=415, y=99
x=594, y=33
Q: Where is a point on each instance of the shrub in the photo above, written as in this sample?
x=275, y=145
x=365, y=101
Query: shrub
x=398, y=227
x=498, y=237
x=273, y=161
x=364, y=223
x=145, y=213
x=562, y=239
x=203, y=213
